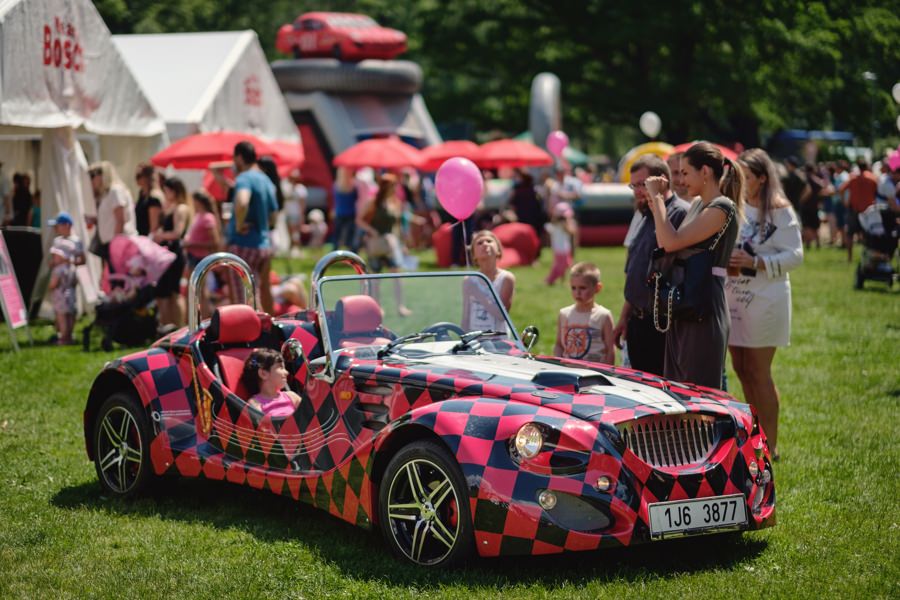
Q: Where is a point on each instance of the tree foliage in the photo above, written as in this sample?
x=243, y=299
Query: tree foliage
x=729, y=71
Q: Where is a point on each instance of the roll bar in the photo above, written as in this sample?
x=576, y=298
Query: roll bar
x=219, y=259
x=333, y=258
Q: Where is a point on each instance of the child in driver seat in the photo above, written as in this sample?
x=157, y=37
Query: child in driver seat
x=265, y=377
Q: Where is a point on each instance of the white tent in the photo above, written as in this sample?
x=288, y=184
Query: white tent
x=62, y=80
x=213, y=81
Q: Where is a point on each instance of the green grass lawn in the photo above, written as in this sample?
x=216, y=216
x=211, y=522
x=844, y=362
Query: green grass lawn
x=838, y=487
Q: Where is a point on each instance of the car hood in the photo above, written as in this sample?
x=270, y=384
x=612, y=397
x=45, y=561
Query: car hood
x=588, y=391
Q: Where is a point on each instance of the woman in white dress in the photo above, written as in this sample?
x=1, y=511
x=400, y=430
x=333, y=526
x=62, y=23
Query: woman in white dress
x=758, y=288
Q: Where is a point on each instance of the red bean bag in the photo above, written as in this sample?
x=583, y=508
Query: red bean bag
x=520, y=244
x=442, y=241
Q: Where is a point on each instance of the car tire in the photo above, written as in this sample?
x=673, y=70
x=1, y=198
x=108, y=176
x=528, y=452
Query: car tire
x=423, y=507
x=331, y=75
x=337, y=53
x=297, y=52
x=122, y=446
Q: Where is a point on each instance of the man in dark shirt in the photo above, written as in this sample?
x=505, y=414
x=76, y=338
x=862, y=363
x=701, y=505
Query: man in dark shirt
x=646, y=345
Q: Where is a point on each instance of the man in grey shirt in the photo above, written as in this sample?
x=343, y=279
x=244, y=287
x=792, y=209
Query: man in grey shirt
x=646, y=346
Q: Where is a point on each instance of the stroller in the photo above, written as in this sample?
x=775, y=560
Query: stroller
x=879, y=228
x=127, y=315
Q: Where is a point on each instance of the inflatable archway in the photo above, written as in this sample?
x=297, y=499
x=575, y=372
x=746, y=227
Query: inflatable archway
x=660, y=149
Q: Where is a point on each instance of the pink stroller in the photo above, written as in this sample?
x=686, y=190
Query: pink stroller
x=128, y=313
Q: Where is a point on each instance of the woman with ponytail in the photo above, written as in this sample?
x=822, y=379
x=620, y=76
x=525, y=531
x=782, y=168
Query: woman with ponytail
x=759, y=290
x=695, y=350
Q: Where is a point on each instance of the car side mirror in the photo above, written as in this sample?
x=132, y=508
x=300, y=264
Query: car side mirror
x=293, y=356
x=530, y=336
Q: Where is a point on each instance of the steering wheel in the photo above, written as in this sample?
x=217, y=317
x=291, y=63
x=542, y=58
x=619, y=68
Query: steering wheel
x=443, y=329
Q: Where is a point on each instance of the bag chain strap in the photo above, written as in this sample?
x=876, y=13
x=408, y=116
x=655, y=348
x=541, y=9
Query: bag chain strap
x=671, y=295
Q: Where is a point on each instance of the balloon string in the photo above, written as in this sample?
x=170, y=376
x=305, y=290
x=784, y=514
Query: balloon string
x=465, y=243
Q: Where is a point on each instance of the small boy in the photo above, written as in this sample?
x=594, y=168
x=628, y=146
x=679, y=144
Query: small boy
x=62, y=226
x=62, y=288
x=585, y=329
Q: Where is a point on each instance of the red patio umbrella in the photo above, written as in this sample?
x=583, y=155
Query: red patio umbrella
x=198, y=150
x=434, y=156
x=379, y=153
x=728, y=152
x=511, y=153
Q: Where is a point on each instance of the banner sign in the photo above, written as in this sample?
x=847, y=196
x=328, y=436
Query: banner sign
x=14, y=309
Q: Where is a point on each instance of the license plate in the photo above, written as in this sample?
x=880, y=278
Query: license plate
x=684, y=517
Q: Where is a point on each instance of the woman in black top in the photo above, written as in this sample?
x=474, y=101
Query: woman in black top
x=149, y=202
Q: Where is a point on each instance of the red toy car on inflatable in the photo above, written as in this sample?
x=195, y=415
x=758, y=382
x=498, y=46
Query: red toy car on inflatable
x=345, y=36
x=453, y=440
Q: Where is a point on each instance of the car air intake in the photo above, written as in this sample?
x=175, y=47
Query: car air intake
x=672, y=441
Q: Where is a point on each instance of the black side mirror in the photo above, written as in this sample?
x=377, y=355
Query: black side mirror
x=530, y=336
x=293, y=356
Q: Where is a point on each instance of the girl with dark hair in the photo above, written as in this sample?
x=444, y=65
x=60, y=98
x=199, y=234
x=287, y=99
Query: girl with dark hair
x=203, y=236
x=265, y=378
x=695, y=350
x=759, y=293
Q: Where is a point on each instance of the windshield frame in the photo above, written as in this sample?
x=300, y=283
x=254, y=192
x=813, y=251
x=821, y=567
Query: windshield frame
x=332, y=353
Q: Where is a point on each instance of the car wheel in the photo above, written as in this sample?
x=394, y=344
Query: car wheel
x=297, y=52
x=122, y=446
x=423, y=507
x=337, y=52
x=860, y=278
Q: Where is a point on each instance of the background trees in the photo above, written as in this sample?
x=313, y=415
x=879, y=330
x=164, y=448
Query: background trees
x=730, y=71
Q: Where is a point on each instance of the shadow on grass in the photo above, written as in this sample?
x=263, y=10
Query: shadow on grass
x=364, y=556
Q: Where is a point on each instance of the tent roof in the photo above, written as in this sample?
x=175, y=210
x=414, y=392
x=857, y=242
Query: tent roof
x=59, y=68
x=185, y=75
x=181, y=72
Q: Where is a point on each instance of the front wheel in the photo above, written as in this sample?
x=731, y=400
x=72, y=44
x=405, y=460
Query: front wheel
x=122, y=446
x=423, y=507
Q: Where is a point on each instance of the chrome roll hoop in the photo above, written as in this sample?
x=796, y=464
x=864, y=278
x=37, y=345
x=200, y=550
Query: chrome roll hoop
x=198, y=276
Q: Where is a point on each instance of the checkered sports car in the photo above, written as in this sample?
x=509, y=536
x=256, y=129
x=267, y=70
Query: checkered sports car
x=451, y=438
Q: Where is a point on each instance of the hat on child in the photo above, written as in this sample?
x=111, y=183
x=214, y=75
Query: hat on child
x=62, y=218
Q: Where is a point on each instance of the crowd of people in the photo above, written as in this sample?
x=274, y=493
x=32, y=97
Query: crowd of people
x=745, y=222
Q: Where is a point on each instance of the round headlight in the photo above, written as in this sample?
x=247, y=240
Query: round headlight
x=529, y=440
x=753, y=468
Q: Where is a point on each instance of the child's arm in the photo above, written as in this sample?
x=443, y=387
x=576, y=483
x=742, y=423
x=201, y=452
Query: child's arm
x=507, y=291
x=558, y=347
x=609, y=339
x=54, y=281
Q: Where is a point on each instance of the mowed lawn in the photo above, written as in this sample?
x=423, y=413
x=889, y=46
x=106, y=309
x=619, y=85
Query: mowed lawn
x=838, y=487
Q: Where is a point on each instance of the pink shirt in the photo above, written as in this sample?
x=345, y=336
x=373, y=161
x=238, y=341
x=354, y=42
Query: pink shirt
x=201, y=232
x=279, y=406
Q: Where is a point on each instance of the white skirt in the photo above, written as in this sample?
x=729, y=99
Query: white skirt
x=760, y=311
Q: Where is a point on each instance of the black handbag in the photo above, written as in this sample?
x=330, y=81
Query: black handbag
x=682, y=283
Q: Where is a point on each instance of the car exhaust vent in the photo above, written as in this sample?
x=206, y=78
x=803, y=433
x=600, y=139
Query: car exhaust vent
x=671, y=441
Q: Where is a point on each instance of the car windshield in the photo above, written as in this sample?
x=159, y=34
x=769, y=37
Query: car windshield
x=375, y=310
x=351, y=22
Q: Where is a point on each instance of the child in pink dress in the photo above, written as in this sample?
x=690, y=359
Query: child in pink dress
x=265, y=377
x=562, y=230
x=62, y=288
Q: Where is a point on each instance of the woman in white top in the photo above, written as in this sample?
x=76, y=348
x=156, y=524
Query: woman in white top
x=480, y=312
x=115, y=206
x=758, y=289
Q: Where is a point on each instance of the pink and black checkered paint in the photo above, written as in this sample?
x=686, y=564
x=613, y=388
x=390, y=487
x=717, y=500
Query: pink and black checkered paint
x=332, y=452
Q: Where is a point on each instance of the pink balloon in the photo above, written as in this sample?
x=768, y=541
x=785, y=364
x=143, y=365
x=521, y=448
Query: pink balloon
x=459, y=187
x=894, y=160
x=557, y=142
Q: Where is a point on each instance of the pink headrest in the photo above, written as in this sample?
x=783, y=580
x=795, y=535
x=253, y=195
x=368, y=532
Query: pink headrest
x=359, y=314
x=234, y=324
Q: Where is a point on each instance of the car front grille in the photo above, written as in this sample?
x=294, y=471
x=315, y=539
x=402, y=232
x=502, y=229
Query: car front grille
x=671, y=441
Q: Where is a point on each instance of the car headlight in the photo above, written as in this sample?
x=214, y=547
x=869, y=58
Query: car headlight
x=529, y=440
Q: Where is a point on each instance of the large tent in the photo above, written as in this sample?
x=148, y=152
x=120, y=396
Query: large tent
x=64, y=86
x=202, y=82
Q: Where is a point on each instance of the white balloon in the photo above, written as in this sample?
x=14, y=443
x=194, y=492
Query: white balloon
x=895, y=92
x=650, y=123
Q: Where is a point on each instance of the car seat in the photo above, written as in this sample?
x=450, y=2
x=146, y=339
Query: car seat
x=233, y=333
x=358, y=322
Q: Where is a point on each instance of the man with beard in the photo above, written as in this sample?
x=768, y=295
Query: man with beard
x=646, y=346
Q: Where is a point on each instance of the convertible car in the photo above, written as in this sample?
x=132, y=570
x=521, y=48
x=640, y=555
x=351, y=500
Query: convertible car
x=450, y=439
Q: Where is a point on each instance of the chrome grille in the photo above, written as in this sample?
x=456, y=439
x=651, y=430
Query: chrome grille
x=671, y=441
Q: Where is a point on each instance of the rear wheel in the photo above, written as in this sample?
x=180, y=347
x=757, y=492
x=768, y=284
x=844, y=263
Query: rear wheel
x=337, y=52
x=122, y=446
x=423, y=507
x=297, y=52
